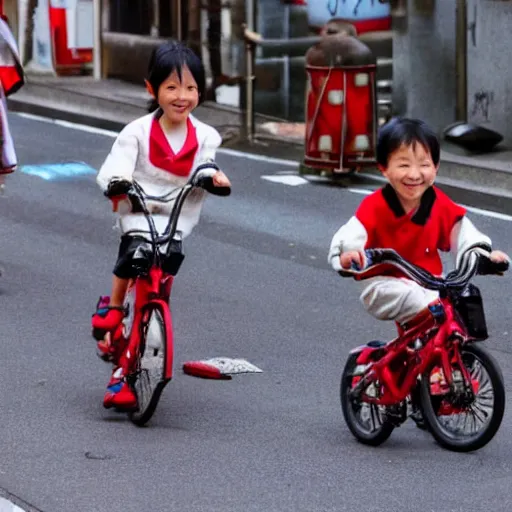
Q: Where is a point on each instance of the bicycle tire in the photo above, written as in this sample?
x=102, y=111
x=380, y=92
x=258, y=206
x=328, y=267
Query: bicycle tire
x=151, y=362
x=479, y=440
x=378, y=436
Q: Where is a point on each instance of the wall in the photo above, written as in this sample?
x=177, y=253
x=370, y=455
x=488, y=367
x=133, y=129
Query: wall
x=489, y=73
x=424, y=77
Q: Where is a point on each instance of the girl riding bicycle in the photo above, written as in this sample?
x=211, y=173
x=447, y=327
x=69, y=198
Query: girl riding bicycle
x=159, y=151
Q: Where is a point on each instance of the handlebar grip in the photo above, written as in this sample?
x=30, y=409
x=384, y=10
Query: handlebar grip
x=118, y=187
x=503, y=266
x=488, y=267
x=219, y=191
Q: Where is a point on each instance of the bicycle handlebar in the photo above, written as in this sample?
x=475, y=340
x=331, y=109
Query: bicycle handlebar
x=202, y=177
x=457, y=279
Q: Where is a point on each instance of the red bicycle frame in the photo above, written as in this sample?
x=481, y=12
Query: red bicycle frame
x=441, y=349
x=151, y=292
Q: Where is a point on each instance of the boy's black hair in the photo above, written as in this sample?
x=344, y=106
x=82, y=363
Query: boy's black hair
x=169, y=57
x=403, y=131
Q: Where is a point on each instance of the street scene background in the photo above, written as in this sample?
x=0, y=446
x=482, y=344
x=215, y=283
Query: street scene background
x=255, y=282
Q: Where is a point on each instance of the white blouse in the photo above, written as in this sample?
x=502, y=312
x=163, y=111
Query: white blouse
x=154, y=159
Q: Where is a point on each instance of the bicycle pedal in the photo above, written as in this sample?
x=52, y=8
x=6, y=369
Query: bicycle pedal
x=98, y=334
x=108, y=358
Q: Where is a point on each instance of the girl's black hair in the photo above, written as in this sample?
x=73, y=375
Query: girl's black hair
x=403, y=131
x=169, y=57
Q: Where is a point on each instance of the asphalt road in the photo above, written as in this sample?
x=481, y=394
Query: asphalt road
x=254, y=284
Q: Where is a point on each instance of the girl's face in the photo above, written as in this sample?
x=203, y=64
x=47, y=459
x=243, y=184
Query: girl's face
x=177, y=98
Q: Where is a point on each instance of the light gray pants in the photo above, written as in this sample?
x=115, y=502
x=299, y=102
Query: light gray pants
x=393, y=298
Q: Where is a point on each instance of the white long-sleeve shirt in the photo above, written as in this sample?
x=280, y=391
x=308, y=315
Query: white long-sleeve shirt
x=439, y=224
x=144, y=152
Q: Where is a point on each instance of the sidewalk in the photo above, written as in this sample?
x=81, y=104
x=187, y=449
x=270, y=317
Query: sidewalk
x=483, y=180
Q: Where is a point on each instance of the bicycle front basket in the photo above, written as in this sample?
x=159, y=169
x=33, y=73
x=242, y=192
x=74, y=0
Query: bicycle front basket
x=470, y=307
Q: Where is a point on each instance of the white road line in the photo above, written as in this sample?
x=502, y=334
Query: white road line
x=258, y=158
x=489, y=213
x=240, y=154
x=114, y=134
x=363, y=191
x=478, y=211
x=286, y=179
x=7, y=506
x=67, y=124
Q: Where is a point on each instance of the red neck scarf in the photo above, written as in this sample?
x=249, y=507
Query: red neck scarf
x=161, y=154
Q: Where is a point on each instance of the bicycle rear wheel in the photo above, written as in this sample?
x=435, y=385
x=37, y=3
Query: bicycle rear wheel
x=366, y=421
x=148, y=381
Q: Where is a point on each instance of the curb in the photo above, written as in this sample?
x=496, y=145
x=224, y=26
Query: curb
x=466, y=192
x=15, y=105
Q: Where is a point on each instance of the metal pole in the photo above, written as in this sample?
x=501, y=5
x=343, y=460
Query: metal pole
x=249, y=14
x=249, y=91
x=178, y=16
x=155, y=29
x=96, y=60
x=461, y=28
x=248, y=121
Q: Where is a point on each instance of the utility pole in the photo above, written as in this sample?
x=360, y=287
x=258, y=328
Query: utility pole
x=97, y=49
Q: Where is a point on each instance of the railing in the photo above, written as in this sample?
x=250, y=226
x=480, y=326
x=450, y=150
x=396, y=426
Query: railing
x=252, y=40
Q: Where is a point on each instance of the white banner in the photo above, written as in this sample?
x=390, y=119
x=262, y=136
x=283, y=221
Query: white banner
x=42, y=47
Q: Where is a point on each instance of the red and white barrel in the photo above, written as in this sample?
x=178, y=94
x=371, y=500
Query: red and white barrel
x=341, y=123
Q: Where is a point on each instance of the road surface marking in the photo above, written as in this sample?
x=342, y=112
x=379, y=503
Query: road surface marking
x=114, y=134
x=8, y=506
x=286, y=179
x=58, y=171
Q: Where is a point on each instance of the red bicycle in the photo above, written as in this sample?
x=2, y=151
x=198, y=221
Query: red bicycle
x=432, y=372
x=143, y=343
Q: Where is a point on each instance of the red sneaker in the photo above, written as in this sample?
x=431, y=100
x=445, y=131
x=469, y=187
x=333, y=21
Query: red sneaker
x=119, y=394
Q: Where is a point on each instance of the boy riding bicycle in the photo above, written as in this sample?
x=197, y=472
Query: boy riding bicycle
x=159, y=151
x=409, y=215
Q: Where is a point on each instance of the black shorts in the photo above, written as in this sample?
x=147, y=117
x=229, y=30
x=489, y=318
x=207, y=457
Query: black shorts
x=123, y=267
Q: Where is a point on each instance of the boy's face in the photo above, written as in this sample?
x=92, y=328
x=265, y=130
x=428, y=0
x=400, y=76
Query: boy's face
x=410, y=171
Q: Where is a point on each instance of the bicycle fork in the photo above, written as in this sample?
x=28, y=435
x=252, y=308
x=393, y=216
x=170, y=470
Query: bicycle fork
x=151, y=294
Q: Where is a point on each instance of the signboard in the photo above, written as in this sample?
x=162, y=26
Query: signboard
x=42, y=46
x=356, y=11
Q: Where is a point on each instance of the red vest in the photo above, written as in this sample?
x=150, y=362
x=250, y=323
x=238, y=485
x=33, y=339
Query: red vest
x=416, y=236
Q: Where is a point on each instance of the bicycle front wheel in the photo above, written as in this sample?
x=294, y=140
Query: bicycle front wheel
x=148, y=381
x=461, y=422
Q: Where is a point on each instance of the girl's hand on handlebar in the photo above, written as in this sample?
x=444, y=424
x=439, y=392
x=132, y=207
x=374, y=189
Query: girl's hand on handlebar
x=221, y=180
x=347, y=259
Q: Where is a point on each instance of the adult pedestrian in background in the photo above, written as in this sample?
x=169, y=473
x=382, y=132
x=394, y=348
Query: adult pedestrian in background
x=11, y=80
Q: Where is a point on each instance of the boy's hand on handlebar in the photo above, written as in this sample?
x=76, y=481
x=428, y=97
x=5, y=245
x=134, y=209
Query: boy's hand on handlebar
x=221, y=180
x=501, y=260
x=499, y=257
x=347, y=259
x=495, y=263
